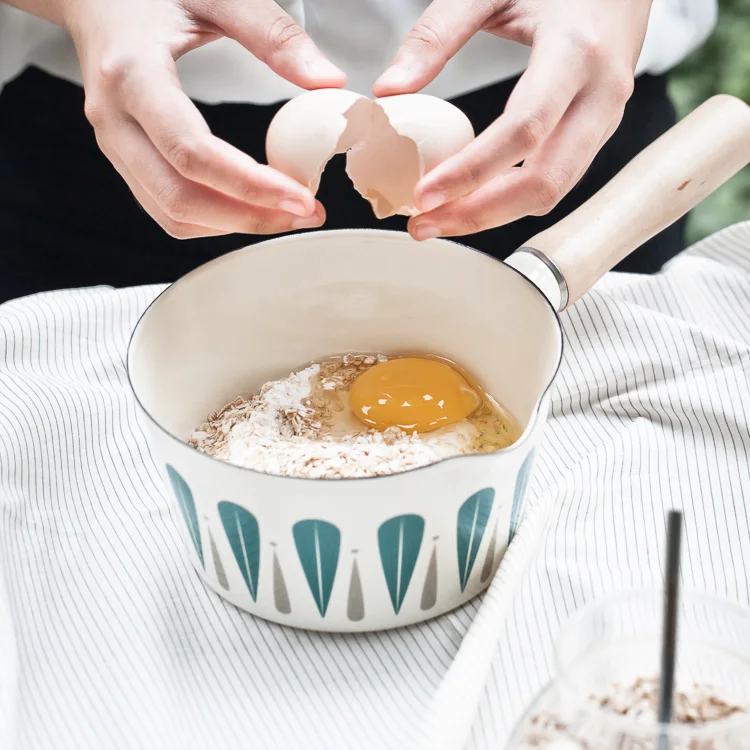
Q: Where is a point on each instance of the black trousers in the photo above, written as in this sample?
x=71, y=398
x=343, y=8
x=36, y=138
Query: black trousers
x=68, y=220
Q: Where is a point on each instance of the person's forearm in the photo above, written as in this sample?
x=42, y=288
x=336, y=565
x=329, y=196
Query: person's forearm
x=50, y=10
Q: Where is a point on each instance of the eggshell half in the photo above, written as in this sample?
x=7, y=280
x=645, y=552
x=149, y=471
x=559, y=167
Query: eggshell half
x=391, y=142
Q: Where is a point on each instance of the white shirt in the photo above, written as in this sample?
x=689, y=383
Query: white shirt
x=360, y=36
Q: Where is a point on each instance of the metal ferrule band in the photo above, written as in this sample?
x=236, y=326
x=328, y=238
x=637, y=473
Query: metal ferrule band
x=554, y=270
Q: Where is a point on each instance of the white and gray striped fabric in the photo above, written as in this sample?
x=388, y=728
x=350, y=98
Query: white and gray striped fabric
x=109, y=640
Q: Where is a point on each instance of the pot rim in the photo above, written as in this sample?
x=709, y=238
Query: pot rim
x=519, y=444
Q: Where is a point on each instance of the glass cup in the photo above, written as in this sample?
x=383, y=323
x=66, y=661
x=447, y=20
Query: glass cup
x=607, y=665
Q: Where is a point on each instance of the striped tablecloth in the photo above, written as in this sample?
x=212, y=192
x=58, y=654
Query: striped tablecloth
x=108, y=639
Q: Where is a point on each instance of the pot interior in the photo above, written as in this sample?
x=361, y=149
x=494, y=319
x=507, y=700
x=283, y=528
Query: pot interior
x=258, y=313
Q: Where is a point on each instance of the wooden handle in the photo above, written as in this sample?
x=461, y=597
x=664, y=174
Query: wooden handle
x=661, y=184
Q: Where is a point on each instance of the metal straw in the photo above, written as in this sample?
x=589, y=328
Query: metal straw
x=669, y=636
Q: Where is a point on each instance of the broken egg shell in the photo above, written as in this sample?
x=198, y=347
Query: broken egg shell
x=440, y=130
x=409, y=135
x=391, y=142
x=305, y=133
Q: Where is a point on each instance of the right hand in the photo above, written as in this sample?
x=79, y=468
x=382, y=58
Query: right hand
x=192, y=183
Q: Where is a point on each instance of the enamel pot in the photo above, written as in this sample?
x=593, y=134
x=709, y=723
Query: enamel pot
x=382, y=552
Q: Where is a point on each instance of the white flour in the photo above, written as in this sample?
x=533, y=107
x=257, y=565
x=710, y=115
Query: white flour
x=300, y=426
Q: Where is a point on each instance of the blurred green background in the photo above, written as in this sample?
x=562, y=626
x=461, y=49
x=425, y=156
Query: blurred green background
x=722, y=64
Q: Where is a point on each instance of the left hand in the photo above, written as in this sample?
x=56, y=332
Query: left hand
x=563, y=109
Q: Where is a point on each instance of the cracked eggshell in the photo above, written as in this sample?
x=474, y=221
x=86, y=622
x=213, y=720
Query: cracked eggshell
x=310, y=129
x=391, y=142
x=409, y=135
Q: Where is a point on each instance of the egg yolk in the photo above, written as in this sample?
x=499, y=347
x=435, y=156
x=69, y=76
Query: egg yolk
x=412, y=393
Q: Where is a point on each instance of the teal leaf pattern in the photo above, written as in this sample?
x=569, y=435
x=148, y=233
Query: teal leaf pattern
x=187, y=506
x=473, y=516
x=318, y=544
x=399, y=540
x=518, y=494
x=241, y=528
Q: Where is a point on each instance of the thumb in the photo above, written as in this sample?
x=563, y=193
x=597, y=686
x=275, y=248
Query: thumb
x=275, y=38
x=439, y=33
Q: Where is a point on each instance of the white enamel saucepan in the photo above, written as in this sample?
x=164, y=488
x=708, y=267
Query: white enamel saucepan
x=366, y=554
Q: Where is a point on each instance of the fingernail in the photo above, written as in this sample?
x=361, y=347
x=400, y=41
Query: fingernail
x=291, y=206
x=394, y=77
x=426, y=230
x=323, y=69
x=307, y=222
x=432, y=200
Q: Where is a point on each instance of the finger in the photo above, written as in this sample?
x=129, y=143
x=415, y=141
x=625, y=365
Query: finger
x=541, y=97
x=273, y=36
x=534, y=189
x=187, y=202
x=570, y=150
x=437, y=35
x=177, y=229
x=152, y=96
x=505, y=198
